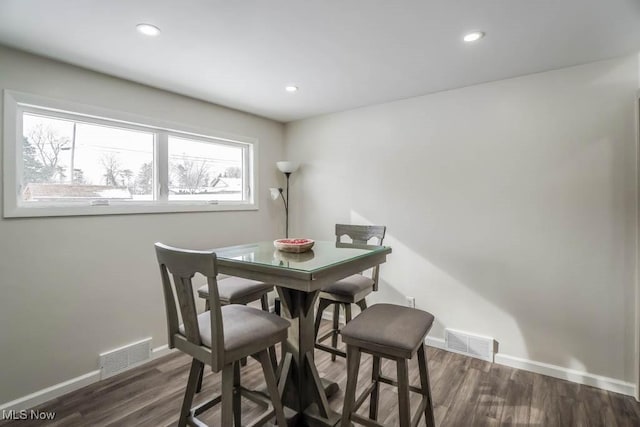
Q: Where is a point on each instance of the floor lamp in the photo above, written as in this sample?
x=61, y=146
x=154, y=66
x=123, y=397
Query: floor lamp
x=287, y=168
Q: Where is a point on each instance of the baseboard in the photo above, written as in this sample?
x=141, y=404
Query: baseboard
x=580, y=377
x=41, y=396
x=435, y=342
x=163, y=350
x=49, y=393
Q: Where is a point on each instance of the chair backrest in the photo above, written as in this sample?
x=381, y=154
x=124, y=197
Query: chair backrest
x=360, y=236
x=182, y=265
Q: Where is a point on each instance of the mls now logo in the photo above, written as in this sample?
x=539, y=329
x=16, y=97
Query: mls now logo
x=27, y=415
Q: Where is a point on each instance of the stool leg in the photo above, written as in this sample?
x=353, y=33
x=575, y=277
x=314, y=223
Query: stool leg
x=362, y=304
x=353, y=365
x=375, y=392
x=272, y=388
x=426, y=388
x=243, y=361
x=322, y=305
x=336, y=328
x=347, y=313
x=199, y=384
x=264, y=302
x=226, y=416
x=403, y=393
x=196, y=369
x=237, y=414
x=273, y=357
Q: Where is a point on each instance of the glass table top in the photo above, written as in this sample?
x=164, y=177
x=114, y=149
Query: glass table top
x=323, y=254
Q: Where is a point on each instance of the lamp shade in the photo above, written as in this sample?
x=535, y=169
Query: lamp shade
x=275, y=192
x=287, y=167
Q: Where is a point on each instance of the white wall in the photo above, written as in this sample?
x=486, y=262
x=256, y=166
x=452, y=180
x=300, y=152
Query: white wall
x=510, y=207
x=71, y=288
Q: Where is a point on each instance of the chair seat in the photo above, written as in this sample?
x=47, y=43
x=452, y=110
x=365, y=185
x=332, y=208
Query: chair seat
x=389, y=329
x=237, y=290
x=353, y=288
x=247, y=330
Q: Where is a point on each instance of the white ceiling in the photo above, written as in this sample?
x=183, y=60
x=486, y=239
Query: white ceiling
x=341, y=53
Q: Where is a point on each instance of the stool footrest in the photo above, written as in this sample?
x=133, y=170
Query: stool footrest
x=394, y=383
x=331, y=350
x=364, y=396
x=418, y=416
x=197, y=410
x=256, y=397
x=365, y=421
x=194, y=422
x=328, y=334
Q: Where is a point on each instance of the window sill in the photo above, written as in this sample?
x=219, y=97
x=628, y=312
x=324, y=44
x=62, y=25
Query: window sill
x=122, y=209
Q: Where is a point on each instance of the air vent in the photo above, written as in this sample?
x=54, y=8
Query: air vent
x=119, y=360
x=469, y=344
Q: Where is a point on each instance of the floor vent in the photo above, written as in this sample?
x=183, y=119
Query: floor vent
x=468, y=344
x=115, y=361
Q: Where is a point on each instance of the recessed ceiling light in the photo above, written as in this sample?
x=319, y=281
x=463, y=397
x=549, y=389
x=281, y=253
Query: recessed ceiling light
x=291, y=88
x=148, y=29
x=473, y=37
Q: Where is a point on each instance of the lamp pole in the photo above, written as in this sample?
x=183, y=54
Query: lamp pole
x=286, y=208
x=285, y=201
x=287, y=168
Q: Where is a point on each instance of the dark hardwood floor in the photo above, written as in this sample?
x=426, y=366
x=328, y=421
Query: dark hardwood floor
x=466, y=391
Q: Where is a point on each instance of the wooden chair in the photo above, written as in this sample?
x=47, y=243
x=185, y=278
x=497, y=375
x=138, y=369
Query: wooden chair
x=392, y=332
x=219, y=337
x=352, y=290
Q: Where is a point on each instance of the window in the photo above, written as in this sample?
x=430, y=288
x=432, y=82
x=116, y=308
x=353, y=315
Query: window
x=63, y=159
x=199, y=170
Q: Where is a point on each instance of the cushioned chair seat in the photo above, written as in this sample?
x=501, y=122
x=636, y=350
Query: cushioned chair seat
x=235, y=290
x=390, y=328
x=350, y=286
x=246, y=329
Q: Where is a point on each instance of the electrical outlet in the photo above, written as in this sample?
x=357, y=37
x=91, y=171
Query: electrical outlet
x=411, y=302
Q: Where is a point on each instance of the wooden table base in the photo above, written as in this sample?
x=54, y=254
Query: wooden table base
x=299, y=384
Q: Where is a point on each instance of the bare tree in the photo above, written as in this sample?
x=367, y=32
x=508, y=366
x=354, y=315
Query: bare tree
x=233, y=172
x=47, y=144
x=111, y=165
x=191, y=174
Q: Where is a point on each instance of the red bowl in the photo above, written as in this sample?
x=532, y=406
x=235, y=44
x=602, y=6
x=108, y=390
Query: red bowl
x=293, y=245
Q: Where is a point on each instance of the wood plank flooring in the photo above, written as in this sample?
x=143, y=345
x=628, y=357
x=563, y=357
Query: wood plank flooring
x=466, y=392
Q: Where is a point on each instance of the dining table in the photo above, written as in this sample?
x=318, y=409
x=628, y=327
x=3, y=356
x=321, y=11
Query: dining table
x=298, y=278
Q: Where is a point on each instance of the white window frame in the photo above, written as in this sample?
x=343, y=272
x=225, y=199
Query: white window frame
x=17, y=103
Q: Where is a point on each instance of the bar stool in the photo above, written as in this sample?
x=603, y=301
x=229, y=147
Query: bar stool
x=351, y=290
x=220, y=338
x=391, y=332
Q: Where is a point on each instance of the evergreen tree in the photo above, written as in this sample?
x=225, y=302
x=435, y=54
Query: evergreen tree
x=144, y=179
x=33, y=170
x=233, y=172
